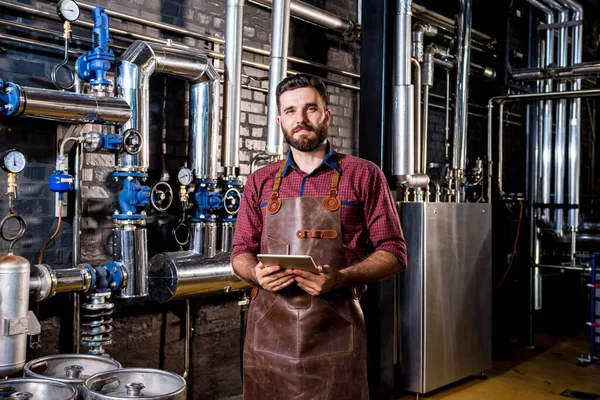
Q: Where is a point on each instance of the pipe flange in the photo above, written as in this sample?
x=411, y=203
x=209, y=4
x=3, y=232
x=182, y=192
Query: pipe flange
x=42, y=282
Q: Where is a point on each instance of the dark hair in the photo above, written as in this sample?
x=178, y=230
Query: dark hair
x=298, y=81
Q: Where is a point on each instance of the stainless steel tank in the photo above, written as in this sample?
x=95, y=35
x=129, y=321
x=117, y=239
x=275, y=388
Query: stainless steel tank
x=14, y=302
x=72, y=369
x=36, y=389
x=141, y=383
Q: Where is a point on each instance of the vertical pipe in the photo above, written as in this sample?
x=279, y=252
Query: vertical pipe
x=132, y=85
x=416, y=81
x=204, y=129
x=463, y=54
x=403, y=117
x=232, y=97
x=546, y=156
x=188, y=333
x=593, y=293
x=278, y=71
x=575, y=122
x=561, y=129
x=424, y=127
x=500, y=146
x=447, y=120
x=77, y=239
x=489, y=150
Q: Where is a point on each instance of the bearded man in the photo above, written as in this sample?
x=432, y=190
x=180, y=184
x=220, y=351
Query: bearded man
x=306, y=331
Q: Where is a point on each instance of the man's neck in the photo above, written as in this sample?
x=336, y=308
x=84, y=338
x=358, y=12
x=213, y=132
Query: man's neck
x=310, y=160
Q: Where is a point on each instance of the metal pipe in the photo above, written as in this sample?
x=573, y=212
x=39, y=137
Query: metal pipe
x=561, y=119
x=62, y=106
x=500, y=147
x=582, y=268
x=140, y=61
x=157, y=25
x=416, y=80
x=77, y=206
x=403, y=116
x=315, y=15
x=574, y=143
x=531, y=97
x=425, y=127
x=569, y=72
x=204, y=128
x=419, y=31
x=279, y=51
x=463, y=55
x=188, y=333
x=447, y=116
x=232, y=95
x=184, y=274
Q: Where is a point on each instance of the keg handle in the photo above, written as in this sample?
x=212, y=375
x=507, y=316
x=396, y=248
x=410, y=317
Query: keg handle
x=100, y=384
x=19, y=235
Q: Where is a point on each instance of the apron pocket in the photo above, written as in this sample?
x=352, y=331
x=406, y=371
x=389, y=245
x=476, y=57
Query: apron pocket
x=323, y=331
x=276, y=331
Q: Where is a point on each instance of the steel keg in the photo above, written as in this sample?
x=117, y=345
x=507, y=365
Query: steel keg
x=36, y=389
x=72, y=369
x=140, y=383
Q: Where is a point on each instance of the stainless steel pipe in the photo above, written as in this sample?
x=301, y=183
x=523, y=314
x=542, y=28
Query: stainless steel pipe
x=463, y=55
x=315, y=15
x=234, y=24
x=416, y=81
x=204, y=128
x=279, y=51
x=570, y=72
x=69, y=107
x=185, y=274
x=131, y=251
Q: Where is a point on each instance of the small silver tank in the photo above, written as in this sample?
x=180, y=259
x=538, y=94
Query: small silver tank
x=36, y=389
x=72, y=369
x=14, y=302
x=141, y=383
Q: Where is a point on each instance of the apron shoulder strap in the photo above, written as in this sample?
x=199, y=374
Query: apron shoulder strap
x=332, y=202
x=275, y=203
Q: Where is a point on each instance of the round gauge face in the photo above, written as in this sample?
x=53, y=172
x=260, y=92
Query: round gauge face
x=185, y=176
x=68, y=10
x=13, y=161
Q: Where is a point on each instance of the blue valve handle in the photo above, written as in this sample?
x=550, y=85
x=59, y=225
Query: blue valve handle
x=93, y=65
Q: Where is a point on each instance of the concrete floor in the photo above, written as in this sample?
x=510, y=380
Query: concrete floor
x=542, y=374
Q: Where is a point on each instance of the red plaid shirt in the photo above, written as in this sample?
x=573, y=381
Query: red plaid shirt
x=369, y=217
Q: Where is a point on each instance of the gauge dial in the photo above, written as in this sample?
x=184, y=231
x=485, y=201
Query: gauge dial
x=13, y=161
x=185, y=176
x=67, y=10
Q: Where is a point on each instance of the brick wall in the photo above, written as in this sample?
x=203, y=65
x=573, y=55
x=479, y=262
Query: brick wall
x=147, y=334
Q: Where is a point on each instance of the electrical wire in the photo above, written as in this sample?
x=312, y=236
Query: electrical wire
x=41, y=259
x=514, y=253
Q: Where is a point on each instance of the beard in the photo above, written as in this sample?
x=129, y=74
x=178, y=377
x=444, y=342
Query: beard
x=309, y=141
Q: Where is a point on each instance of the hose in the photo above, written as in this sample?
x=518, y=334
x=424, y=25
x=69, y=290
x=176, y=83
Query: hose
x=60, y=203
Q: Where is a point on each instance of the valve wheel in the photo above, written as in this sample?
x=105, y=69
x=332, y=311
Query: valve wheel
x=161, y=196
x=132, y=142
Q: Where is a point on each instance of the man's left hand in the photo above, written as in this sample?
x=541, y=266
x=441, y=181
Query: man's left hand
x=325, y=281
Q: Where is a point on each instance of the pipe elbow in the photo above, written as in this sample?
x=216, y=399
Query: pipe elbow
x=411, y=181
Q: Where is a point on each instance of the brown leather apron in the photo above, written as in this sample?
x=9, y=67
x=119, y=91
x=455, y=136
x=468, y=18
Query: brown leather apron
x=300, y=347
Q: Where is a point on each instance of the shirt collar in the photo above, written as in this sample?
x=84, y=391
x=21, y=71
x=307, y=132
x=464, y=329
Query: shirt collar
x=331, y=160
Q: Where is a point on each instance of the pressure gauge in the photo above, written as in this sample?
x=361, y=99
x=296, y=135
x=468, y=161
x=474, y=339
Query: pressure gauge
x=67, y=10
x=12, y=161
x=185, y=176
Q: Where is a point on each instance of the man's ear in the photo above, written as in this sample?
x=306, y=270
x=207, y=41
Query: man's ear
x=328, y=116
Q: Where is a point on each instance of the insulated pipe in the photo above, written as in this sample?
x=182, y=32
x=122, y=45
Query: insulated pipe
x=419, y=31
x=574, y=143
x=279, y=51
x=463, y=55
x=140, y=61
x=204, y=128
x=403, y=165
x=546, y=149
x=232, y=100
x=573, y=94
x=315, y=15
x=56, y=105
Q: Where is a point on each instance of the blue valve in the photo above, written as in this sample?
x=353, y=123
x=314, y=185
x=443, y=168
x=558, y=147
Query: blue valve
x=10, y=99
x=60, y=182
x=112, y=142
x=207, y=203
x=133, y=195
x=105, y=277
x=93, y=65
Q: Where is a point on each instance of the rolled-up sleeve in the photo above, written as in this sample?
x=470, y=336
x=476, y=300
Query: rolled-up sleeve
x=381, y=217
x=248, y=228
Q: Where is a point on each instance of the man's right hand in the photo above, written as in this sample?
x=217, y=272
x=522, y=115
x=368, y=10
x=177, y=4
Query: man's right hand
x=273, y=278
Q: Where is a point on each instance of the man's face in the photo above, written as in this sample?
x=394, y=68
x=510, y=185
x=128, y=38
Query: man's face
x=303, y=118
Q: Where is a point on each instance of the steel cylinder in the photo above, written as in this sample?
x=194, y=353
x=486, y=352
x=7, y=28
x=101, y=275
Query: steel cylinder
x=36, y=389
x=71, y=369
x=227, y=231
x=183, y=274
x=142, y=383
x=130, y=250
x=204, y=238
x=14, y=303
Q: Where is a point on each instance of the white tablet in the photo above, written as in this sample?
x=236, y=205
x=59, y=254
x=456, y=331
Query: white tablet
x=289, y=261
